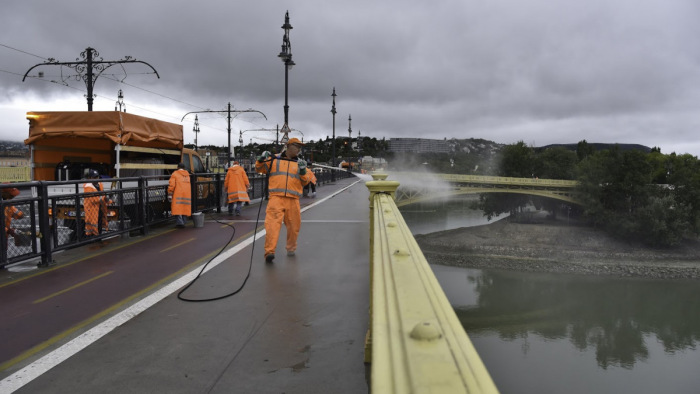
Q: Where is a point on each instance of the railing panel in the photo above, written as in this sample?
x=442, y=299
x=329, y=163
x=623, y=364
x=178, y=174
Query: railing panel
x=15, y=174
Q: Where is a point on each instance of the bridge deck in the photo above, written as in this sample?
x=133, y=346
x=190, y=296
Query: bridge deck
x=298, y=326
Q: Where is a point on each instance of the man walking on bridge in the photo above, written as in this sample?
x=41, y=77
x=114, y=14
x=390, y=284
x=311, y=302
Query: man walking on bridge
x=180, y=195
x=236, y=185
x=287, y=178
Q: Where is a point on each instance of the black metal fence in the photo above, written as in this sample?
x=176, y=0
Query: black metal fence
x=53, y=213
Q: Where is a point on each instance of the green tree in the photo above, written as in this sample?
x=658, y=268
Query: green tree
x=583, y=150
x=556, y=163
x=618, y=193
x=517, y=160
x=683, y=181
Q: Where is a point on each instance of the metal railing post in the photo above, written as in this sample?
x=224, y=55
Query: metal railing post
x=218, y=189
x=194, y=200
x=3, y=238
x=44, y=227
x=141, y=200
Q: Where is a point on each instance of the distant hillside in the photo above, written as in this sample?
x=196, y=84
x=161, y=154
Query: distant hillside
x=476, y=146
x=13, y=149
x=599, y=146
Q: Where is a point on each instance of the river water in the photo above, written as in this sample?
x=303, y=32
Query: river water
x=554, y=333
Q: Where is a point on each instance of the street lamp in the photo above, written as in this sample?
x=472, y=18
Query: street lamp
x=195, y=128
x=120, y=102
x=228, y=111
x=286, y=56
x=88, y=69
x=333, y=142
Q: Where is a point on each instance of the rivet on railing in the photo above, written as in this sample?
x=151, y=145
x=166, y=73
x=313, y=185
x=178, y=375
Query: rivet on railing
x=425, y=331
x=399, y=252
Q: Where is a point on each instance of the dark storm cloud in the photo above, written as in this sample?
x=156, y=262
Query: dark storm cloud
x=541, y=71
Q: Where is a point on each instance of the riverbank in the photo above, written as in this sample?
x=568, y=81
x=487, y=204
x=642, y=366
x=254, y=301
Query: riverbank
x=558, y=248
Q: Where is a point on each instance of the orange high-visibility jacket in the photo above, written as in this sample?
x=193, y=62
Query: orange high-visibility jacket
x=312, y=175
x=285, y=180
x=236, y=184
x=180, y=193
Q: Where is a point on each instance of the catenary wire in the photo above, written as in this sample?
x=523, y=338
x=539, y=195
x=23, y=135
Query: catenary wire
x=106, y=76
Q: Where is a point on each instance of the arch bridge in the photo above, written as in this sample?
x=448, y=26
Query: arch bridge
x=418, y=187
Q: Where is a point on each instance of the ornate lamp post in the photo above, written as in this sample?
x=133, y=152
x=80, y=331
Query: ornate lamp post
x=88, y=69
x=226, y=111
x=119, y=105
x=333, y=142
x=286, y=56
x=195, y=128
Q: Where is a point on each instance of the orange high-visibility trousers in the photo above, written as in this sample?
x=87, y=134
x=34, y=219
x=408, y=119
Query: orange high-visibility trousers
x=282, y=209
x=91, y=206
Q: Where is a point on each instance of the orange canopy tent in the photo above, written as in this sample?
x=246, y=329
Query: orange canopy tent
x=119, y=127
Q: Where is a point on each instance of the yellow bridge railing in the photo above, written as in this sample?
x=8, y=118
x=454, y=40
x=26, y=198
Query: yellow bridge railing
x=415, y=343
x=15, y=174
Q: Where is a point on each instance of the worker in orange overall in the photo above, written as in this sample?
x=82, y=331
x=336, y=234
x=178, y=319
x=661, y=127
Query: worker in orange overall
x=236, y=185
x=11, y=212
x=94, y=206
x=287, y=177
x=180, y=195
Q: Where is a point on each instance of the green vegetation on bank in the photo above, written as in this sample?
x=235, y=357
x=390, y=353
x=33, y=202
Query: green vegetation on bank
x=634, y=195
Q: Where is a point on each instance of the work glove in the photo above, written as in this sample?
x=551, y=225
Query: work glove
x=302, y=166
x=265, y=155
x=11, y=232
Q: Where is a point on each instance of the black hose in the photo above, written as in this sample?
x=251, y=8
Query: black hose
x=250, y=266
x=255, y=231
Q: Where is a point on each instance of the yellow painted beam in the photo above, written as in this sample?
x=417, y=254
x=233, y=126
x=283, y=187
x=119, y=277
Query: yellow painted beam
x=417, y=343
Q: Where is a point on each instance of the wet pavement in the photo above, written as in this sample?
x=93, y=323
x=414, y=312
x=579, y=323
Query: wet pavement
x=107, y=318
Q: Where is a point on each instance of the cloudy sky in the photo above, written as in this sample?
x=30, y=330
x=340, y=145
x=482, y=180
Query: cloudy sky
x=540, y=71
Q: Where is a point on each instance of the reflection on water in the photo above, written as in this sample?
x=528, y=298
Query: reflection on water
x=547, y=333
x=616, y=334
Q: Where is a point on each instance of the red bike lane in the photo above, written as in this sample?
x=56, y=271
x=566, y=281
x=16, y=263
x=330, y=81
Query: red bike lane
x=95, y=281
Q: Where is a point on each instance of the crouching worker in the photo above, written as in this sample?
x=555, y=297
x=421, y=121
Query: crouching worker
x=95, y=206
x=11, y=212
x=287, y=177
x=180, y=195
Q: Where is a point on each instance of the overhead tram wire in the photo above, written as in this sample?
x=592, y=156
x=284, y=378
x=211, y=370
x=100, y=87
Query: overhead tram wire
x=116, y=80
x=25, y=52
